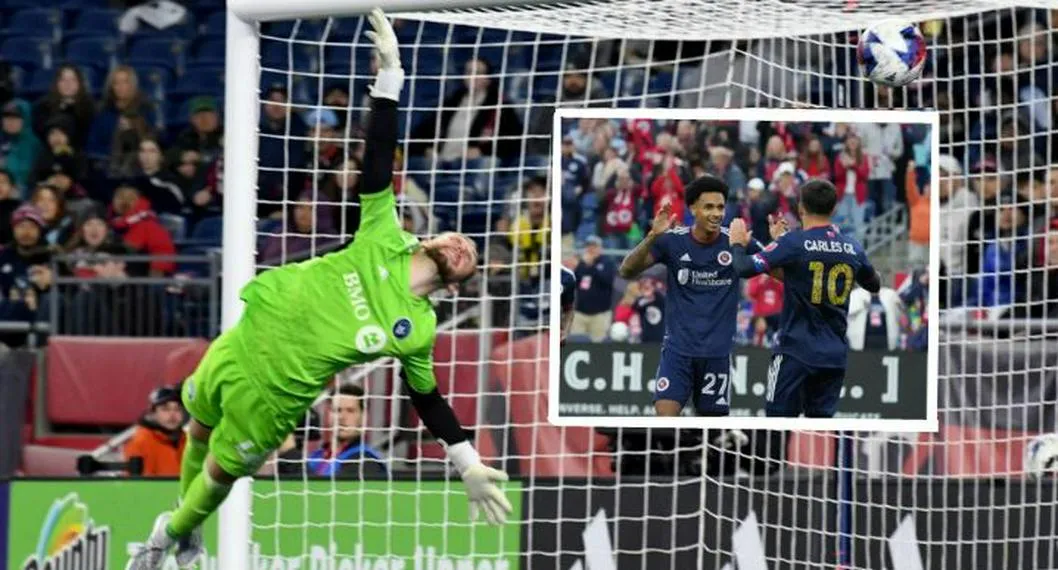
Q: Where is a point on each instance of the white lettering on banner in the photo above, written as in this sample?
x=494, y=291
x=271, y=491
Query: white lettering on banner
x=826, y=246
x=631, y=369
x=569, y=370
x=356, y=296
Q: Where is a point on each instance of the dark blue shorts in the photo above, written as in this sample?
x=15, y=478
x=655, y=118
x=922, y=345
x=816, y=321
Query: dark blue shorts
x=795, y=388
x=705, y=381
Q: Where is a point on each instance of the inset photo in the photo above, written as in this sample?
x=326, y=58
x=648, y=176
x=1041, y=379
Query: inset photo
x=746, y=268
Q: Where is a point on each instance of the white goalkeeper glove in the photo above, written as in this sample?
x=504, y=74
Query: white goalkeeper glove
x=390, y=78
x=481, y=483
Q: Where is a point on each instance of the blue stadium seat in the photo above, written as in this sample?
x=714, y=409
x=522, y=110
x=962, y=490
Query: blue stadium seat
x=35, y=52
x=545, y=87
x=38, y=83
x=289, y=29
x=21, y=4
x=282, y=56
x=346, y=30
x=215, y=24
x=98, y=20
x=425, y=92
x=200, y=81
x=154, y=79
x=97, y=52
x=153, y=50
x=211, y=50
x=36, y=22
x=425, y=60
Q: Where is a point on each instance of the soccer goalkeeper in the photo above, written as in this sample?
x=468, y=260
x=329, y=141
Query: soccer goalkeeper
x=305, y=322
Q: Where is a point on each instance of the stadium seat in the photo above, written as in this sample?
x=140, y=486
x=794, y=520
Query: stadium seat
x=21, y=4
x=200, y=81
x=209, y=49
x=96, y=52
x=101, y=21
x=35, y=22
x=32, y=51
x=157, y=51
x=281, y=56
x=345, y=30
x=215, y=25
x=38, y=83
x=287, y=30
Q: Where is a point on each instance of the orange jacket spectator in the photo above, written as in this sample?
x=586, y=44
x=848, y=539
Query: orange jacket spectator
x=159, y=439
x=918, y=208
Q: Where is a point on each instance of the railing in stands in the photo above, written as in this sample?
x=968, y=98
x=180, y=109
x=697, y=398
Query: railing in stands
x=186, y=303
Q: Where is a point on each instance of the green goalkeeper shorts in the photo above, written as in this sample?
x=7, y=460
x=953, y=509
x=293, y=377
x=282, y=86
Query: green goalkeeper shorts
x=220, y=395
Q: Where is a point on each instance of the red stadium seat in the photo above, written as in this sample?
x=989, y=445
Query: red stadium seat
x=105, y=381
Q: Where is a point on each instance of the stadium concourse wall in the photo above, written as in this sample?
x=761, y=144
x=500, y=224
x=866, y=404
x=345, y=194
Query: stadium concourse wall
x=82, y=524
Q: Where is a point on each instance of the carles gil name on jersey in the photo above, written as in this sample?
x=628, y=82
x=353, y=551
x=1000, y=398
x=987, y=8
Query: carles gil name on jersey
x=829, y=246
x=702, y=278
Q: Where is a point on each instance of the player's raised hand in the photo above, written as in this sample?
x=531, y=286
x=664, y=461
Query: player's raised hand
x=737, y=233
x=777, y=225
x=485, y=495
x=664, y=219
x=390, y=78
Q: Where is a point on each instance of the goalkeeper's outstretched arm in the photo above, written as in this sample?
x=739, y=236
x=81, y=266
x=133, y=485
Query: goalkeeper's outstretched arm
x=382, y=125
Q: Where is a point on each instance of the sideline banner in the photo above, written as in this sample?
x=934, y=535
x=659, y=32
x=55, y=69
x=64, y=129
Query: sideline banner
x=318, y=525
x=617, y=379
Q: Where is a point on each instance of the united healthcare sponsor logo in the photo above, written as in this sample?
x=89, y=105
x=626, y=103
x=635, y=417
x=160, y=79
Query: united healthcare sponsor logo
x=70, y=540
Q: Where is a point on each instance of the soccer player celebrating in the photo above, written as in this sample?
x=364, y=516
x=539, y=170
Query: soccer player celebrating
x=702, y=303
x=307, y=321
x=819, y=267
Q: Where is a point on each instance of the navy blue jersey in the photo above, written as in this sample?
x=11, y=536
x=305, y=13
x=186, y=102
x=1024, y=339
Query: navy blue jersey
x=701, y=301
x=820, y=267
x=569, y=289
x=651, y=317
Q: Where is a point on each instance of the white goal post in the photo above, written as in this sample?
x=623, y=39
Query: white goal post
x=772, y=54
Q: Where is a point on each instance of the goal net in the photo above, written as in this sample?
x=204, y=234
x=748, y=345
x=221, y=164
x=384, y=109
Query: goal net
x=482, y=85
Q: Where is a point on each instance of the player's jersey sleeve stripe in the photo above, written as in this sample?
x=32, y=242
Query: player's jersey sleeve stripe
x=759, y=263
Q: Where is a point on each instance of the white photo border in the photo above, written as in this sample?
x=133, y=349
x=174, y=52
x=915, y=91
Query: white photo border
x=930, y=424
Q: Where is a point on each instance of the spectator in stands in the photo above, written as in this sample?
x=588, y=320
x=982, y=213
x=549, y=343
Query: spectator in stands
x=140, y=229
x=766, y=295
x=988, y=184
x=19, y=147
x=813, y=161
x=531, y=230
x=344, y=452
x=207, y=200
x=668, y=187
x=1032, y=193
x=649, y=307
x=761, y=204
x=607, y=163
x=722, y=165
x=621, y=205
x=851, y=171
x=158, y=185
x=309, y=231
x=1042, y=300
x=914, y=294
x=93, y=250
x=874, y=319
x=595, y=290
x=918, y=205
x=775, y=154
x=204, y=133
x=186, y=170
x=956, y=204
x=24, y=271
x=121, y=96
x=322, y=124
x=159, y=438
x=129, y=131
x=474, y=122
x=59, y=227
x=67, y=98
x=58, y=154
x=9, y=201
x=883, y=143
x=281, y=153
x=1005, y=252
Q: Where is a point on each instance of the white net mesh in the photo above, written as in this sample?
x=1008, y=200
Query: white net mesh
x=955, y=499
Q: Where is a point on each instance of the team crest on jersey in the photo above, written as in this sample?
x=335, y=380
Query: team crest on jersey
x=370, y=339
x=402, y=328
x=682, y=275
x=663, y=384
x=724, y=258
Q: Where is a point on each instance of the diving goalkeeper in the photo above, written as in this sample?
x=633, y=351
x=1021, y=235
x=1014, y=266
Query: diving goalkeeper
x=305, y=322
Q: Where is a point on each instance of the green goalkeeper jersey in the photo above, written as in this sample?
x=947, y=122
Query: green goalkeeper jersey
x=306, y=321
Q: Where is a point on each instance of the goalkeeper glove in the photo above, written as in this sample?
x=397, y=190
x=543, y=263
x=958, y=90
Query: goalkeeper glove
x=390, y=78
x=480, y=480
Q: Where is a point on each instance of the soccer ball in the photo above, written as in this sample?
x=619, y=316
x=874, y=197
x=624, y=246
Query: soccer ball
x=1041, y=455
x=892, y=54
x=619, y=332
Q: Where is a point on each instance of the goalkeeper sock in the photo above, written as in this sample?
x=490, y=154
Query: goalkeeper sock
x=203, y=497
x=191, y=463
